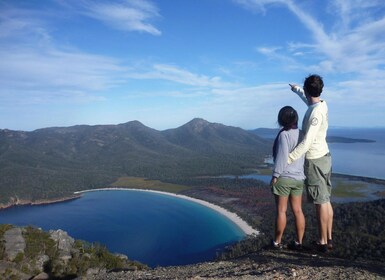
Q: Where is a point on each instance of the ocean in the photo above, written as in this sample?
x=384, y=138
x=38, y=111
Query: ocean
x=362, y=159
x=152, y=228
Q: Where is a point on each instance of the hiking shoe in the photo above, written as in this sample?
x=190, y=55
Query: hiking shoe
x=276, y=246
x=330, y=244
x=323, y=248
x=295, y=245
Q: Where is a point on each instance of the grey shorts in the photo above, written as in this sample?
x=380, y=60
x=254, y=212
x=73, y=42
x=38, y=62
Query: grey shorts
x=287, y=186
x=318, y=179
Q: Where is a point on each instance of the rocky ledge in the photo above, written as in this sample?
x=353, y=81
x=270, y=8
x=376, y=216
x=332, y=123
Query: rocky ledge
x=266, y=264
x=29, y=253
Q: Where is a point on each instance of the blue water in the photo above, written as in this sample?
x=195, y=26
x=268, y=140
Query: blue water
x=362, y=159
x=154, y=229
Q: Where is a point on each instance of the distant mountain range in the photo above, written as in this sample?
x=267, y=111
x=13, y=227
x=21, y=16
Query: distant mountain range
x=53, y=162
x=271, y=133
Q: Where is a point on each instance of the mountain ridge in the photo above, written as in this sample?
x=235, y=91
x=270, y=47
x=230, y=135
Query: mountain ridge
x=54, y=162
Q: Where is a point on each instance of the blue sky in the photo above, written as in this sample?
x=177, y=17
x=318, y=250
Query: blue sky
x=165, y=62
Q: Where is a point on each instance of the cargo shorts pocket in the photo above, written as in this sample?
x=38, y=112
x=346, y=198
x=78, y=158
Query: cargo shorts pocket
x=318, y=171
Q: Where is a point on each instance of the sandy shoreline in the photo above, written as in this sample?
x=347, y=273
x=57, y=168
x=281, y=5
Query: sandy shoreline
x=246, y=228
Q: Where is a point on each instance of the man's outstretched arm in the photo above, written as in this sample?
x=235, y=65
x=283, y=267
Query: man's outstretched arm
x=300, y=92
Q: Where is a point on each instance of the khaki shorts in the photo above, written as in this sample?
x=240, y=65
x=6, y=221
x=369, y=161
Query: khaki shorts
x=287, y=186
x=318, y=179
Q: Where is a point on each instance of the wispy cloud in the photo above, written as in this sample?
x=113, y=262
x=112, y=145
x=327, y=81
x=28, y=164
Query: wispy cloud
x=126, y=15
x=52, y=67
x=34, y=69
x=259, y=5
x=178, y=75
x=359, y=40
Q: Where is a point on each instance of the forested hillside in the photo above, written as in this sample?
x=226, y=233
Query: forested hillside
x=53, y=162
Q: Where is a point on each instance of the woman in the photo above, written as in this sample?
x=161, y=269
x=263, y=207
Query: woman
x=288, y=180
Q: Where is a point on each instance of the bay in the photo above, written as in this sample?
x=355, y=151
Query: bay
x=152, y=228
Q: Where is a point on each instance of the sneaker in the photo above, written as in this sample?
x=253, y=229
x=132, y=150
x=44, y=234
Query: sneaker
x=330, y=244
x=295, y=245
x=277, y=246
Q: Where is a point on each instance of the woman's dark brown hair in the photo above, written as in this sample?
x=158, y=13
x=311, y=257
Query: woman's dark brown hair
x=287, y=119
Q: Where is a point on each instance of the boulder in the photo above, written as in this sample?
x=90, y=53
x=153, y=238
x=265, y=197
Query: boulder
x=65, y=243
x=14, y=243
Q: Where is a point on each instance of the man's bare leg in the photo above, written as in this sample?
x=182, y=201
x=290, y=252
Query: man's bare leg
x=323, y=216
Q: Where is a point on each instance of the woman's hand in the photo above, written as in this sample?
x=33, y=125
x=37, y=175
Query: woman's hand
x=273, y=181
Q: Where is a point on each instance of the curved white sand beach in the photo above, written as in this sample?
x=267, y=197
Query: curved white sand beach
x=246, y=228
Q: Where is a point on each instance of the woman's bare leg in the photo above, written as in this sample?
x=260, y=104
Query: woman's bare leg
x=281, y=207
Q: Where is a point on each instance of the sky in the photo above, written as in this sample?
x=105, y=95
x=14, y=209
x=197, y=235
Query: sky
x=166, y=62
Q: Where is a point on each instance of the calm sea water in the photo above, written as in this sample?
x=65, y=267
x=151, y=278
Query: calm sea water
x=152, y=228
x=362, y=159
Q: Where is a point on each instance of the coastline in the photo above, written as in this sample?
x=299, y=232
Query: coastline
x=245, y=227
x=21, y=202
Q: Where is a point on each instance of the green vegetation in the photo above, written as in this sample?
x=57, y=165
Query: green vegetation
x=39, y=242
x=52, y=163
x=82, y=256
x=264, y=171
x=344, y=188
x=146, y=184
x=3, y=229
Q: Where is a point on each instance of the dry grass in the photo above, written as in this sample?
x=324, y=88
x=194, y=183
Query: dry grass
x=345, y=188
x=143, y=183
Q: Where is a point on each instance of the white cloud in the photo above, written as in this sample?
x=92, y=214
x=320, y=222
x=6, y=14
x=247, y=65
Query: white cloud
x=259, y=5
x=128, y=15
x=47, y=69
x=357, y=46
x=176, y=74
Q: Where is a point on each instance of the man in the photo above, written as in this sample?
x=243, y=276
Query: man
x=317, y=156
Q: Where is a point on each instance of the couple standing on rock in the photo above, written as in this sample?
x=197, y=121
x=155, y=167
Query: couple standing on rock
x=302, y=158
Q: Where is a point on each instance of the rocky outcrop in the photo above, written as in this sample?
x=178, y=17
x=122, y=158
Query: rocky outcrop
x=30, y=253
x=64, y=242
x=14, y=243
x=267, y=264
x=264, y=264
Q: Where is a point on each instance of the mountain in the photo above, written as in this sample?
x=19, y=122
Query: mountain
x=53, y=162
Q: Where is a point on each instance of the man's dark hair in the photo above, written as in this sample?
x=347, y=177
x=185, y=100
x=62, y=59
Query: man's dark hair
x=313, y=85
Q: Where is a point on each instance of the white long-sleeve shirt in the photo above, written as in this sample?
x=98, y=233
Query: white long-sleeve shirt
x=314, y=126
